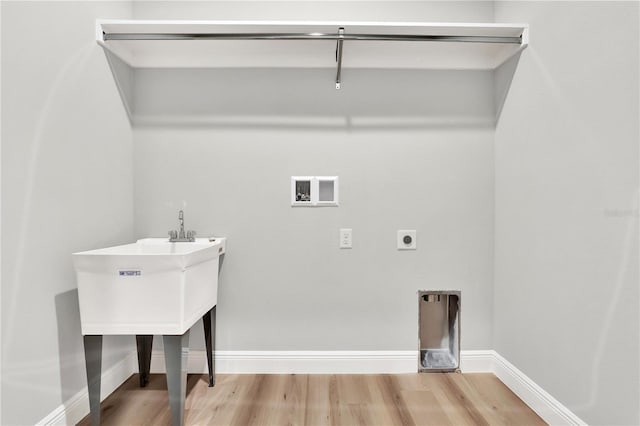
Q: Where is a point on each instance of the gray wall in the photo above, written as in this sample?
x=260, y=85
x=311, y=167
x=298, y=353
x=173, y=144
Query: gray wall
x=566, y=180
x=566, y=248
x=377, y=10
x=285, y=284
x=66, y=186
x=412, y=150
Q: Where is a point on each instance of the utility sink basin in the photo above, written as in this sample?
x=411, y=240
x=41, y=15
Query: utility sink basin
x=152, y=286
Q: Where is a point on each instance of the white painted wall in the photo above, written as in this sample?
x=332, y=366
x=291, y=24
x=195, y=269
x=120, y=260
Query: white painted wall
x=355, y=10
x=66, y=186
x=0, y=217
x=412, y=150
x=285, y=285
x=566, y=220
x=566, y=165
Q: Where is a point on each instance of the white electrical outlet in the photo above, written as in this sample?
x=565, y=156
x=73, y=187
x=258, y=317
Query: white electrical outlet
x=407, y=239
x=346, y=238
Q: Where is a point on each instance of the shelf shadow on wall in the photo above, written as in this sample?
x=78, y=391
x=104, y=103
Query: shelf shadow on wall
x=306, y=97
x=503, y=78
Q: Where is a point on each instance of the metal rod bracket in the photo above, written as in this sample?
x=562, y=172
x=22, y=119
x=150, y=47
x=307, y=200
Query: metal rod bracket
x=339, y=57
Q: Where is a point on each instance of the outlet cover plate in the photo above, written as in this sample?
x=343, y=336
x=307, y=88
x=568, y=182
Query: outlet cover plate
x=410, y=234
x=346, y=238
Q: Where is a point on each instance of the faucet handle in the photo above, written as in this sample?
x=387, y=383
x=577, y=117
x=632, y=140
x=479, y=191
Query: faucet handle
x=173, y=235
x=191, y=235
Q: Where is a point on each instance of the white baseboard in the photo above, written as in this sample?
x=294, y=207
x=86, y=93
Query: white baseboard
x=320, y=362
x=476, y=361
x=75, y=408
x=325, y=362
x=546, y=406
x=298, y=362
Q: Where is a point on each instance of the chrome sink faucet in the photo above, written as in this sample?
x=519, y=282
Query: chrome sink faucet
x=181, y=236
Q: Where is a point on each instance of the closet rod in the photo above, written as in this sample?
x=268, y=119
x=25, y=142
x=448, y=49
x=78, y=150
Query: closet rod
x=311, y=36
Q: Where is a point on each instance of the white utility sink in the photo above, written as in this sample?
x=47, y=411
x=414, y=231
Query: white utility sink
x=152, y=286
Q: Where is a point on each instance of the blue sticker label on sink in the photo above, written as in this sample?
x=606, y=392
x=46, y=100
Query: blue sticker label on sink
x=129, y=272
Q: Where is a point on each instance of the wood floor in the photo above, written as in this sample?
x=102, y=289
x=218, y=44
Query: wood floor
x=294, y=399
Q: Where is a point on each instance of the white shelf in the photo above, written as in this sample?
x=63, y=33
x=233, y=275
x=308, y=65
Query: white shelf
x=198, y=53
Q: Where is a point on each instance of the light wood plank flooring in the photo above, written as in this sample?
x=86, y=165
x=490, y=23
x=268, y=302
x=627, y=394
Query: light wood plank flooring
x=298, y=399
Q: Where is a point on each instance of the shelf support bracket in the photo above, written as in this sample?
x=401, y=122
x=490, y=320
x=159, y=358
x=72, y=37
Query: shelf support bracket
x=339, y=57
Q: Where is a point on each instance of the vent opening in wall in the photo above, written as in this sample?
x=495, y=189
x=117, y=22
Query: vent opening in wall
x=314, y=191
x=439, y=330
